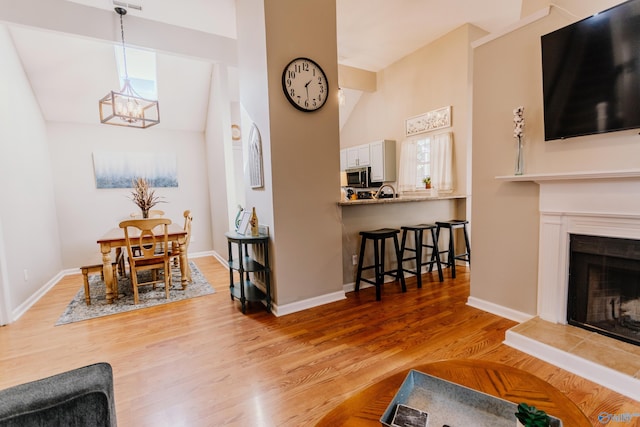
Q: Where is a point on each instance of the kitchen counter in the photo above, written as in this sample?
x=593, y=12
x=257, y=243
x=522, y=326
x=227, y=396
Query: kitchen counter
x=402, y=199
x=408, y=209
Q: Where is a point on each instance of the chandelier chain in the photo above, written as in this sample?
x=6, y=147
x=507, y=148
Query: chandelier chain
x=124, y=53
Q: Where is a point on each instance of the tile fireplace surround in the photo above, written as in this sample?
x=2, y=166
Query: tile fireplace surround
x=599, y=203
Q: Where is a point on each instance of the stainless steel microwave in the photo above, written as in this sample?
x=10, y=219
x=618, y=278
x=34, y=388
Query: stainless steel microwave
x=360, y=178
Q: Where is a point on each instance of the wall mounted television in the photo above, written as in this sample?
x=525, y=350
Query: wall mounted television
x=591, y=74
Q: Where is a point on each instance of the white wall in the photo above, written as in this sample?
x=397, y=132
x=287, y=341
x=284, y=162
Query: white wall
x=27, y=207
x=85, y=212
x=220, y=163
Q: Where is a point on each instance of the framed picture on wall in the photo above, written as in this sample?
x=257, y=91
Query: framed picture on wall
x=435, y=119
x=121, y=169
x=244, y=222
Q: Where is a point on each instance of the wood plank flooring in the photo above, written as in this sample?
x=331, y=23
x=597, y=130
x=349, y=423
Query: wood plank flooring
x=200, y=362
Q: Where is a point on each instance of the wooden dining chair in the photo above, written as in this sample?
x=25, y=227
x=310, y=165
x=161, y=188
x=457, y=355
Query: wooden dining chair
x=150, y=236
x=175, y=248
x=153, y=213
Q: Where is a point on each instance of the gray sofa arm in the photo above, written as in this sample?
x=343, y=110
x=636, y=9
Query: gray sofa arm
x=81, y=397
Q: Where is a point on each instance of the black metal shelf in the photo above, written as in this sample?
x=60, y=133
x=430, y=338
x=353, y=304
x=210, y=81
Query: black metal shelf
x=248, y=264
x=251, y=292
x=245, y=290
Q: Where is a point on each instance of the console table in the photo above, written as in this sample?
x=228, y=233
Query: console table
x=515, y=385
x=246, y=290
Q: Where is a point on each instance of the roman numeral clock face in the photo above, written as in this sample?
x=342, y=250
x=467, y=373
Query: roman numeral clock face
x=305, y=84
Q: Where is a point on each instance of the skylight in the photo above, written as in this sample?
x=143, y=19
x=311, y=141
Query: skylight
x=141, y=66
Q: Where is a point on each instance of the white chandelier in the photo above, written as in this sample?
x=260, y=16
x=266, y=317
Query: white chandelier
x=126, y=107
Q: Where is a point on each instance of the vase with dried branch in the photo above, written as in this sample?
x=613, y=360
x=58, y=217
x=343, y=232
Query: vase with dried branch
x=143, y=196
x=518, y=129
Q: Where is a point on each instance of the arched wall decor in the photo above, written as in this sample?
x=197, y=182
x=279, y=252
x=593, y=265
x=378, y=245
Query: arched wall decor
x=256, y=179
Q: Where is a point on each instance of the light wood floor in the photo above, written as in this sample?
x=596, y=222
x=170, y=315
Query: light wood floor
x=201, y=362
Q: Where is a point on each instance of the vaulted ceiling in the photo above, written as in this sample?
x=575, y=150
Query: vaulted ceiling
x=69, y=72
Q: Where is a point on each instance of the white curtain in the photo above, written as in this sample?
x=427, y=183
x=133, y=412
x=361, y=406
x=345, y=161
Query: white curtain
x=442, y=162
x=408, y=166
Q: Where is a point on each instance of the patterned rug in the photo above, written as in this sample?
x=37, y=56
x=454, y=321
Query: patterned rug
x=78, y=310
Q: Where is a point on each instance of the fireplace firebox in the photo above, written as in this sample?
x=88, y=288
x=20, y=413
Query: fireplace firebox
x=604, y=286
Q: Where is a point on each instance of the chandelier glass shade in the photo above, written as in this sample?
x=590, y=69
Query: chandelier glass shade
x=126, y=107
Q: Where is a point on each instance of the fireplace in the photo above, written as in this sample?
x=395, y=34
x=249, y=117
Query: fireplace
x=604, y=286
x=601, y=204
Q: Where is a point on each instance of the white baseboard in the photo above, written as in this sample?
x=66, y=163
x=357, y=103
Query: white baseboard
x=22, y=308
x=205, y=254
x=351, y=287
x=320, y=300
x=499, y=310
x=307, y=303
x=614, y=380
x=296, y=306
x=223, y=259
x=599, y=374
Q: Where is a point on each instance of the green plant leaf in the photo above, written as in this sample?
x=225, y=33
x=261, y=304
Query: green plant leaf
x=530, y=416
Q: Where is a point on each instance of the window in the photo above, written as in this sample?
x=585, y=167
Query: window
x=415, y=163
x=423, y=161
x=426, y=156
x=141, y=68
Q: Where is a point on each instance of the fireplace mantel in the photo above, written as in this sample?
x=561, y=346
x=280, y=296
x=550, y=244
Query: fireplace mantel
x=595, y=203
x=604, y=203
x=567, y=176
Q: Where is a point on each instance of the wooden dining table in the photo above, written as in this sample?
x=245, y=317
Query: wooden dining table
x=114, y=238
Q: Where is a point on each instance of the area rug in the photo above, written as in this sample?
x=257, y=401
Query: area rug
x=78, y=310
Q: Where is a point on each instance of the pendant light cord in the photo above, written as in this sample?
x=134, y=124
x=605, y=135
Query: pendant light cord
x=124, y=53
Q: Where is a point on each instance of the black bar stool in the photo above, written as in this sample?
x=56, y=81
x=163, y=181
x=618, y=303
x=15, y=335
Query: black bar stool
x=379, y=237
x=418, y=235
x=452, y=256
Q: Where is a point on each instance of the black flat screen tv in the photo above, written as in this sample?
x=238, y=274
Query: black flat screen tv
x=591, y=74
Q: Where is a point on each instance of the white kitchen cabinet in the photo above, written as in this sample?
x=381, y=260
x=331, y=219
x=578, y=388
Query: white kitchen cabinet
x=358, y=156
x=383, y=160
x=343, y=159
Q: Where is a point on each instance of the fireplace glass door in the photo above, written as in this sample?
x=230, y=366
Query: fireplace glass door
x=604, y=286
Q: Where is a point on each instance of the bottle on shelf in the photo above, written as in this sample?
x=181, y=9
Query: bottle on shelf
x=254, y=223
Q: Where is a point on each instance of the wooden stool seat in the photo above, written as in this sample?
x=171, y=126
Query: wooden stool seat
x=418, y=234
x=452, y=256
x=378, y=237
x=86, y=270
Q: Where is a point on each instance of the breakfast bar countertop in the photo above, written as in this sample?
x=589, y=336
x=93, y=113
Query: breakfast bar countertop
x=402, y=199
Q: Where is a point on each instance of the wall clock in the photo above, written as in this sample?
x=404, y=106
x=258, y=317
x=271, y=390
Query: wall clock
x=305, y=84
